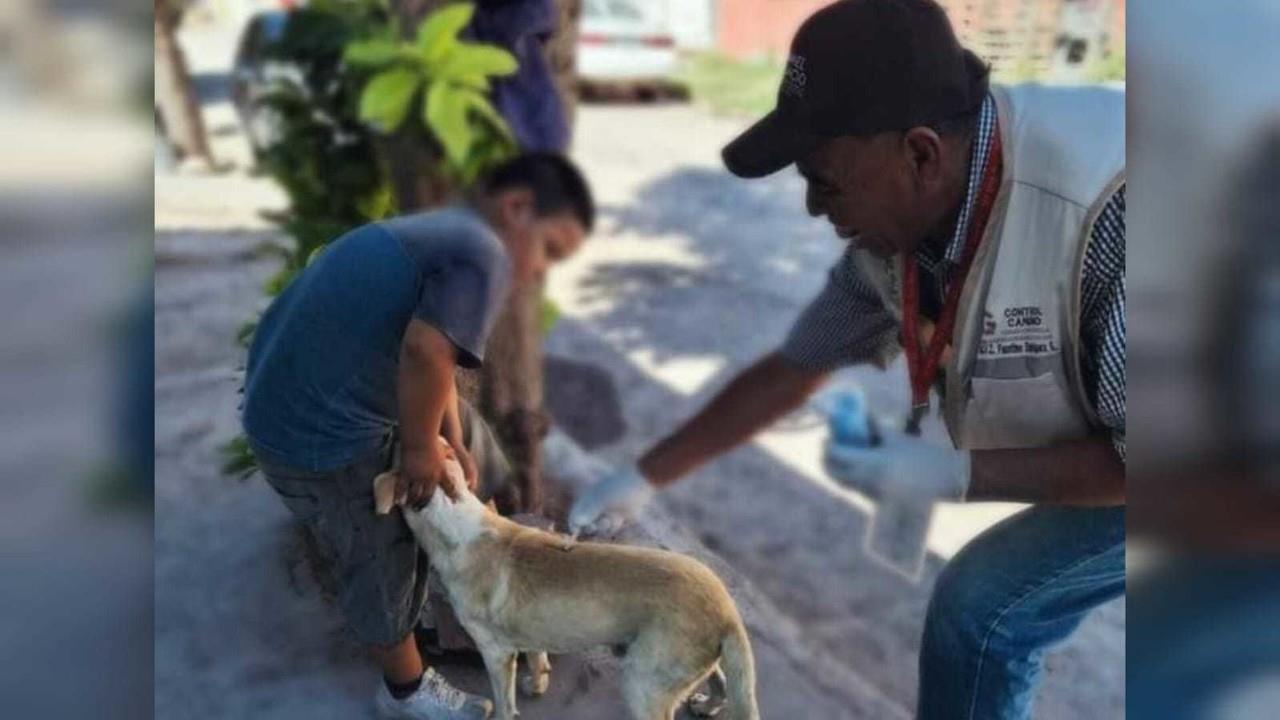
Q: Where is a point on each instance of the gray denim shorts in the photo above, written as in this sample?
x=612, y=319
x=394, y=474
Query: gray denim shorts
x=381, y=572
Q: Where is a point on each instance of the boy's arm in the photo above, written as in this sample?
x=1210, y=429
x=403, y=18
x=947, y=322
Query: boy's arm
x=424, y=386
x=451, y=427
x=451, y=430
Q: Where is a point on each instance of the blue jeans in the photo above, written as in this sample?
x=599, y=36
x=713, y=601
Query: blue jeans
x=1004, y=600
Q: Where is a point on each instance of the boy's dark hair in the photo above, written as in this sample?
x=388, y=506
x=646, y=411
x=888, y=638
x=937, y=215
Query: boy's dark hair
x=556, y=183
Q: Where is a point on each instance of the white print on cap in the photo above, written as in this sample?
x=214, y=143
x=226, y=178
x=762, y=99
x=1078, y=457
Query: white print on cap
x=795, y=78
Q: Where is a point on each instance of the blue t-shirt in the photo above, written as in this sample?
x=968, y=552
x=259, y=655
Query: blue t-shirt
x=320, y=385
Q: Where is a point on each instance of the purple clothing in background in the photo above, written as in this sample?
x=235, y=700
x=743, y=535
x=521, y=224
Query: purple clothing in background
x=528, y=99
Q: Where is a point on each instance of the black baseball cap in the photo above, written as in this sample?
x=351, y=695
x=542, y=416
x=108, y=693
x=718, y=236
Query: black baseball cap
x=861, y=67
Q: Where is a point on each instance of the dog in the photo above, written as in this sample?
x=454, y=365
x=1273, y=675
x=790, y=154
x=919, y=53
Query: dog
x=519, y=589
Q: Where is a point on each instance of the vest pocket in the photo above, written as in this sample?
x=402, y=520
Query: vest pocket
x=1018, y=413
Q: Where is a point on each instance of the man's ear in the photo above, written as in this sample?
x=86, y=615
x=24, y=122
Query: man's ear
x=924, y=149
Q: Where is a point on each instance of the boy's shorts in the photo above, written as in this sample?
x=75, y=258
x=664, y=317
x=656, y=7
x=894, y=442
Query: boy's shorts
x=380, y=570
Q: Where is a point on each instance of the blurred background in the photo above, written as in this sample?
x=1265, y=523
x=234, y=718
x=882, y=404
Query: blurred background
x=690, y=274
x=75, y=375
x=1204, y=360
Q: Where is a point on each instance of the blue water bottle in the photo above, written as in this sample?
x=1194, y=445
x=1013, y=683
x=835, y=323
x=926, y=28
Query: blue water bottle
x=848, y=422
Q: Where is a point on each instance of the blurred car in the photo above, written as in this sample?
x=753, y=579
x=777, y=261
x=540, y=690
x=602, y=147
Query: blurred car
x=252, y=74
x=624, y=40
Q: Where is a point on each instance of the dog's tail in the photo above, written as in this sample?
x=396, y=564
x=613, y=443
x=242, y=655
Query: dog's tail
x=740, y=674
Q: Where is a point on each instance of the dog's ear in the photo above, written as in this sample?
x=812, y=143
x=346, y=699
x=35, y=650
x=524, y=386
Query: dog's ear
x=384, y=492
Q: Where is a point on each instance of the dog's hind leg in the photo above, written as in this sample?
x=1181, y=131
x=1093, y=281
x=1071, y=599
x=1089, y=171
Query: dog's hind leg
x=501, y=665
x=539, y=677
x=656, y=684
x=649, y=700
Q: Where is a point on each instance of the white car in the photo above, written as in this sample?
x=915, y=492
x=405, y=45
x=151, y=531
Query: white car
x=624, y=40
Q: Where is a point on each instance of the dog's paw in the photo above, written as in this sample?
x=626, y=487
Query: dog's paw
x=535, y=684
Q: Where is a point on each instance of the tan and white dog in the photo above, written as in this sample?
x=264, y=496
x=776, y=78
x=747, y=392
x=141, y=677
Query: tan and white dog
x=518, y=589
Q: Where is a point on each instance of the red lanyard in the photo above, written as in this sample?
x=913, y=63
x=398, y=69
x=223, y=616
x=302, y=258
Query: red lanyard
x=924, y=369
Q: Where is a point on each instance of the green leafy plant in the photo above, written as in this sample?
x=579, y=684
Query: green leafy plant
x=237, y=458
x=324, y=157
x=447, y=80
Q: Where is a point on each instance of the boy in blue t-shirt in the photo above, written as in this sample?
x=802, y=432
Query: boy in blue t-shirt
x=357, y=356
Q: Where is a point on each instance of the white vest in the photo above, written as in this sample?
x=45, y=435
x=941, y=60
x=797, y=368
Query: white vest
x=1013, y=380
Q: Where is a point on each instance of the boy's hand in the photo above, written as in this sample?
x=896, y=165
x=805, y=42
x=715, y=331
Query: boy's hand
x=469, y=469
x=422, y=470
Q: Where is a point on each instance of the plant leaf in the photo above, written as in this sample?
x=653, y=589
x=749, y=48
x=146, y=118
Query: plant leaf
x=438, y=34
x=479, y=104
x=378, y=204
x=315, y=253
x=278, y=282
x=475, y=82
x=445, y=113
x=385, y=100
x=238, y=458
x=244, y=336
x=548, y=315
x=476, y=59
x=371, y=53
x=410, y=53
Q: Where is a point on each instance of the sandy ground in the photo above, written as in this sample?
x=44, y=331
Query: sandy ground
x=690, y=275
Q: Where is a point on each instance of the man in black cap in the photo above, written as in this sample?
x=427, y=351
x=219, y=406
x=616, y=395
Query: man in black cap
x=986, y=240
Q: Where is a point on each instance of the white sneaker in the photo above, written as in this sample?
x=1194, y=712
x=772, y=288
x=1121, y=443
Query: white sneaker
x=436, y=699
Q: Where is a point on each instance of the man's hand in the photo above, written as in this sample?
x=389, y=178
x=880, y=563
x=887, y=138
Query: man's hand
x=904, y=465
x=610, y=503
x=422, y=470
